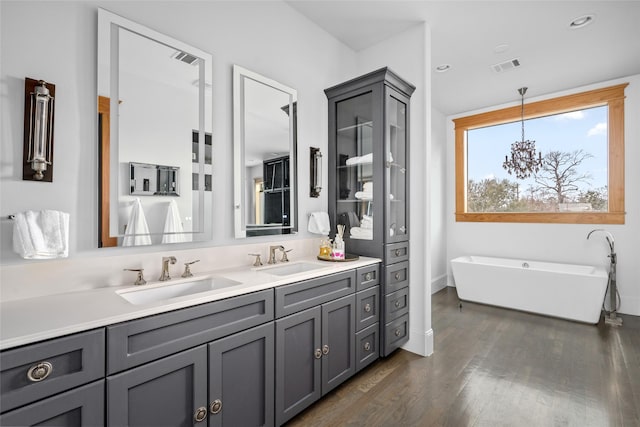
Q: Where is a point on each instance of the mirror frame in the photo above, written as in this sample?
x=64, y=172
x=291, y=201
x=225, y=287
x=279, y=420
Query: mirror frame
x=108, y=113
x=239, y=74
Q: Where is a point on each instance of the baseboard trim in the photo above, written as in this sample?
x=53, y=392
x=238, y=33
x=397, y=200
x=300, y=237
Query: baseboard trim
x=420, y=343
x=439, y=283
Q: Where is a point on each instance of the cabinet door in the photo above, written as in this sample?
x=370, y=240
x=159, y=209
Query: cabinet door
x=82, y=406
x=397, y=166
x=338, y=341
x=168, y=392
x=241, y=379
x=298, y=363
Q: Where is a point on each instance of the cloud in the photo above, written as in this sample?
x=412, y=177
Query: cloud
x=599, y=129
x=489, y=177
x=571, y=115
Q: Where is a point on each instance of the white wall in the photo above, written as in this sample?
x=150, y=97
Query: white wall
x=438, y=224
x=565, y=243
x=408, y=55
x=267, y=37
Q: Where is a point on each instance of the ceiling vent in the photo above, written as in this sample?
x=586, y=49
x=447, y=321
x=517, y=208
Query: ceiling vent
x=506, y=66
x=185, y=57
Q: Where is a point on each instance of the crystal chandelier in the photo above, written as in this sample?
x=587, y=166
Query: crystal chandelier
x=523, y=161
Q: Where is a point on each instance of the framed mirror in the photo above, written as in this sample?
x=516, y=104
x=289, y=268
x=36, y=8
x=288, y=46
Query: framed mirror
x=265, y=146
x=155, y=132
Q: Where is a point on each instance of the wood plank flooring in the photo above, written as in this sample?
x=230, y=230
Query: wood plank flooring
x=496, y=367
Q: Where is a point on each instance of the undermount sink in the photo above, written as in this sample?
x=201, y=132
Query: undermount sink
x=295, y=268
x=154, y=293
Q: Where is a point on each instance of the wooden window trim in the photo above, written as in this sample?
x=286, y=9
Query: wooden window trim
x=612, y=96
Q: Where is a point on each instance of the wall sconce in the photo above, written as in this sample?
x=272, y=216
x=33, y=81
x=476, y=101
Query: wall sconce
x=38, y=130
x=315, y=168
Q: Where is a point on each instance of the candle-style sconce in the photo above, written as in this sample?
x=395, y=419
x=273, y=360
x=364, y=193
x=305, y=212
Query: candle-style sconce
x=315, y=167
x=39, y=111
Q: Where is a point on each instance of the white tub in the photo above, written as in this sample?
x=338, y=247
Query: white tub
x=568, y=291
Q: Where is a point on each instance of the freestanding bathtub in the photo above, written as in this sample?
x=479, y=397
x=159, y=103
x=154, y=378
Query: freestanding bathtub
x=569, y=291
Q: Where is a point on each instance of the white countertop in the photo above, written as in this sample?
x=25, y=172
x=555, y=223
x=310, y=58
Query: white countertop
x=30, y=320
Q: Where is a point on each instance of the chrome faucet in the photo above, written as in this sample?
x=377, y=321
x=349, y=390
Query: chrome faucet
x=166, y=260
x=272, y=253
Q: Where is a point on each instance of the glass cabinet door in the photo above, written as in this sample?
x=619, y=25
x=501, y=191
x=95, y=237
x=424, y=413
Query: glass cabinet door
x=397, y=176
x=354, y=164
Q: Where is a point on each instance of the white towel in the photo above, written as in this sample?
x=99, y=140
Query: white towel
x=173, y=225
x=367, y=158
x=41, y=235
x=137, y=232
x=319, y=223
x=361, y=233
x=363, y=195
x=367, y=222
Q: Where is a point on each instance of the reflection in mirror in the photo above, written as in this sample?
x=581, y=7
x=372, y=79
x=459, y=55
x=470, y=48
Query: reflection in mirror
x=264, y=120
x=154, y=108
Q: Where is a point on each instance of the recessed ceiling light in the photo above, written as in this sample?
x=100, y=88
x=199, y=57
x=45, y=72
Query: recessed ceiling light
x=443, y=67
x=581, y=21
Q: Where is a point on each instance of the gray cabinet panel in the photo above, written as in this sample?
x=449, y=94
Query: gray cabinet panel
x=338, y=342
x=396, y=333
x=241, y=377
x=367, y=346
x=310, y=293
x=367, y=307
x=83, y=406
x=396, y=252
x=396, y=277
x=133, y=343
x=367, y=277
x=298, y=365
x=74, y=359
x=396, y=304
x=166, y=392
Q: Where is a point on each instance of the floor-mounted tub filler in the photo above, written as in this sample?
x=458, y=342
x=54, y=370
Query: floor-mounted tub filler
x=568, y=291
x=611, y=316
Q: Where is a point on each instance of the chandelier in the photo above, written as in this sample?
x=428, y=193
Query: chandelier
x=523, y=161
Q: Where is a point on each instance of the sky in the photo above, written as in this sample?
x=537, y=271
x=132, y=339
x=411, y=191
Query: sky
x=584, y=129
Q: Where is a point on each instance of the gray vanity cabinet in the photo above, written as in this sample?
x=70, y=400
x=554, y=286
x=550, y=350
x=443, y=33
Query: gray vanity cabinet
x=369, y=179
x=315, y=348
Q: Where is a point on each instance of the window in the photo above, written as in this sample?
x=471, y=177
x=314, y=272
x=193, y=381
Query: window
x=581, y=140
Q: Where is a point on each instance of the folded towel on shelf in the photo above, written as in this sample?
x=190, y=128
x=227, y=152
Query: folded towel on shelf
x=173, y=231
x=361, y=233
x=367, y=158
x=41, y=234
x=363, y=195
x=367, y=187
x=319, y=223
x=367, y=222
x=137, y=231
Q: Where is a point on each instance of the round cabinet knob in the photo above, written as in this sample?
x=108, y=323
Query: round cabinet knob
x=39, y=371
x=367, y=346
x=368, y=276
x=216, y=406
x=398, y=252
x=397, y=276
x=200, y=414
x=397, y=304
x=318, y=353
x=367, y=308
x=397, y=332
x=325, y=349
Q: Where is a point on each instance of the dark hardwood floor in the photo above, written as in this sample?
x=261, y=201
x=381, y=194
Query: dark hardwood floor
x=496, y=367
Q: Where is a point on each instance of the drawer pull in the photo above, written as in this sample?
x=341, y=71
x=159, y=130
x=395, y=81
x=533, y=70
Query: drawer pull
x=398, y=252
x=368, y=276
x=397, y=276
x=318, y=353
x=201, y=414
x=325, y=349
x=397, y=303
x=367, y=308
x=397, y=332
x=367, y=346
x=216, y=406
x=39, y=371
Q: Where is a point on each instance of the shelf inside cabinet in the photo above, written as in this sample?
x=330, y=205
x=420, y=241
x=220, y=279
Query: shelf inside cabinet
x=356, y=126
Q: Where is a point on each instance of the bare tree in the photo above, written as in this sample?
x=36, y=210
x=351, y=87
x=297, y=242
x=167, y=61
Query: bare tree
x=559, y=174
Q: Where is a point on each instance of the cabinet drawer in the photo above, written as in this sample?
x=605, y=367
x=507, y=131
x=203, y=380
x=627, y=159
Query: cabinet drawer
x=367, y=277
x=70, y=362
x=396, y=252
x=396, y=333
x=397, y=277
x=367, y=307
x=396, y=304
x=367, y=341
x=310, y=293
x=82, y=406
x=139, y=341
